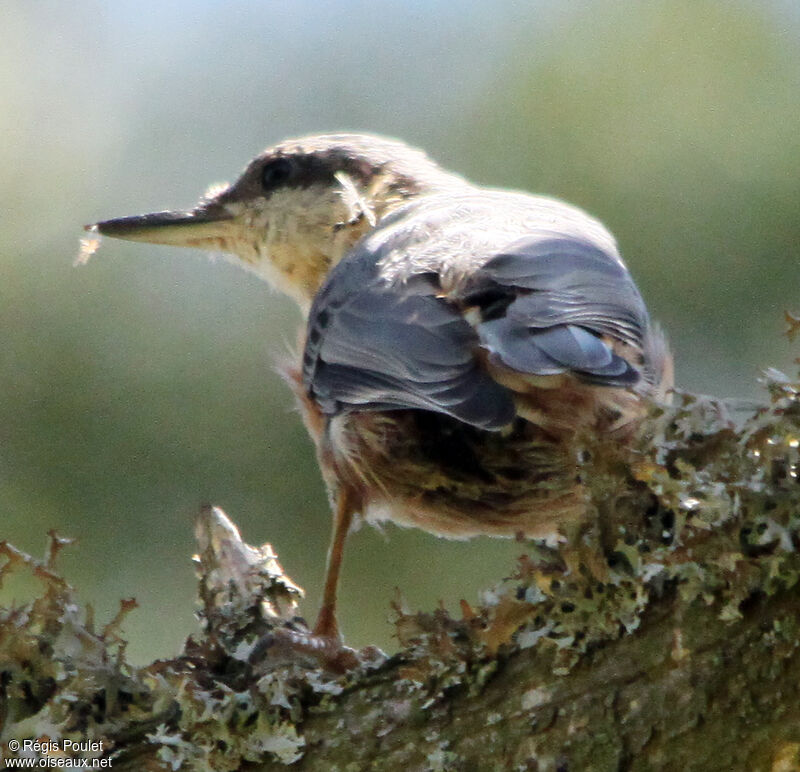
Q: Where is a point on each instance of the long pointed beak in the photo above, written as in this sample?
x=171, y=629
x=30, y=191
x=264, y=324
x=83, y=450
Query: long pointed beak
x=207, y=226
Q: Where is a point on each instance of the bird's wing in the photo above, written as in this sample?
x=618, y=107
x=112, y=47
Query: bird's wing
x=547, y=305
x=377, y=346
x=553, y=303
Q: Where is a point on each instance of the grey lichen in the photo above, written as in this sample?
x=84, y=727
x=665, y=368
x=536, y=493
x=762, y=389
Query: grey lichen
x=699, y=521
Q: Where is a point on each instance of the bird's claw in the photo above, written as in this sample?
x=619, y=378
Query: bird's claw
x=284, y=645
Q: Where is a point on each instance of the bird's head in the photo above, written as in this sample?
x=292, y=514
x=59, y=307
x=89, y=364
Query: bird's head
x=297, y=207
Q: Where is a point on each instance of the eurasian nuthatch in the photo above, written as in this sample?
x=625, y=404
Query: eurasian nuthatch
x=457, y=340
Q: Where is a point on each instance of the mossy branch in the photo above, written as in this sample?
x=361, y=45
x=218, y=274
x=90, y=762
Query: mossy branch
x=671, y=642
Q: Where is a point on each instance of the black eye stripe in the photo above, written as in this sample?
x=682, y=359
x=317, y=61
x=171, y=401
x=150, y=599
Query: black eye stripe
x=276, y=173
x=306, y=170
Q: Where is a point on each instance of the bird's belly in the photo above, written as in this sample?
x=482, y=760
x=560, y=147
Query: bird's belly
x=424, y=469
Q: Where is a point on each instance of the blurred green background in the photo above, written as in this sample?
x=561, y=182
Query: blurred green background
x=142, y=384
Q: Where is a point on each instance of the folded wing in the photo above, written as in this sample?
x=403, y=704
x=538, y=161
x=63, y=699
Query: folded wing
x=553, y=304
x=546, y=305
x=373, y=346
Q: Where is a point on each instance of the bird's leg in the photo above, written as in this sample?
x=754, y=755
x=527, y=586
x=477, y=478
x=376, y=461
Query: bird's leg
x=326, y=625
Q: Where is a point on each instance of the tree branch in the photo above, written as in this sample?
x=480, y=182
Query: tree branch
x=665, y=637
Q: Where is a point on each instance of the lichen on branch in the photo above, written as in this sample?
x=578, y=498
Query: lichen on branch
x=665, y=636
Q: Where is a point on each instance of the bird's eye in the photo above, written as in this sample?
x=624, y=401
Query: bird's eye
x=276, y=173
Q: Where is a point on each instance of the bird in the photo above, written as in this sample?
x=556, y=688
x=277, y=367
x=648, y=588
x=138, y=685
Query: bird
x=458, y=340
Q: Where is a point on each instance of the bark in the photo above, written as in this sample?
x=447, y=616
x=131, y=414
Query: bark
x=685, y=693
x=665, y=636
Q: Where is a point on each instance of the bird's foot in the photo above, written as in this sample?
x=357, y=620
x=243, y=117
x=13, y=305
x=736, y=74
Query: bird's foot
x=284, y=645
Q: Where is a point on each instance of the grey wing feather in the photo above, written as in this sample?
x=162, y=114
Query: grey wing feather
x=547, y=301
x=375, y=344
x=378, y=346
